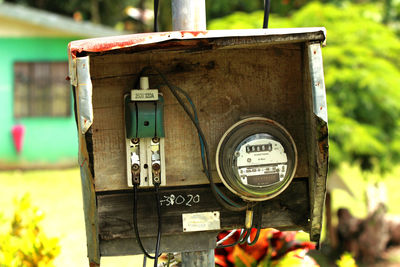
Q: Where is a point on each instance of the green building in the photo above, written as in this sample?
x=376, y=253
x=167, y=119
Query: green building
x=34, y=91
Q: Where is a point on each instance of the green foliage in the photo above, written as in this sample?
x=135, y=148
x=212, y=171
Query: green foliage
x=362, y=76
x=242, y=20
x=363, y=82
x=22, y=240
x=222, y=8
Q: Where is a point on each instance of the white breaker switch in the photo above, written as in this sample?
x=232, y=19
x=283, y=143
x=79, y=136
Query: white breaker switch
x=147, y=159
x=145, y=156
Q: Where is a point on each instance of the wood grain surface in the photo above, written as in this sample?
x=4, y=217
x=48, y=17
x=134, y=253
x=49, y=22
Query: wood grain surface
x=288, y=211
x=225, y=86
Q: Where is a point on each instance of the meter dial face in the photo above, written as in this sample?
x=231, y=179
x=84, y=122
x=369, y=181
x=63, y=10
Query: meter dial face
x=260, y=161
x=256, y=159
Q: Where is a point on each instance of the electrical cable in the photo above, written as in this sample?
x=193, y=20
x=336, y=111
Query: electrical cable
x=200, y=132
x=218, y=194
x=250, y=243
x=135, y=225
x=159, y=226
x=242, y=233
x=156, y=15
x=222, y=240
x=144, y=260
x=266, y=13
x=202, y=145
x=244, y=239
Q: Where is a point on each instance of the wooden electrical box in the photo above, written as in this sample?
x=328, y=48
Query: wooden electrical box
x=230, y=75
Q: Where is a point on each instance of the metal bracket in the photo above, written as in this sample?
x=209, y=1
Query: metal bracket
x=317, y=81
x=84, y=92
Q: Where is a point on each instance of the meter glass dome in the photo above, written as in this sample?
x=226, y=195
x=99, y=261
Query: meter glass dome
x=256, y=158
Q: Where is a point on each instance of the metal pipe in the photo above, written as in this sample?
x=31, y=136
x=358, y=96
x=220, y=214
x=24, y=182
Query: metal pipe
x=198, y=258
x=189, y=15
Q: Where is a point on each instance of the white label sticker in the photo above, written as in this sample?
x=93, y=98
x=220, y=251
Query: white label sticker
x=201, y=221
x=144, y=95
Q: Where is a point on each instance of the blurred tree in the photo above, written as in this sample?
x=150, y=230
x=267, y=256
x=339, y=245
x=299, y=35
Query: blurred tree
x=362, y=74
x=107, y=12
x=361, y=61
x=112, y=12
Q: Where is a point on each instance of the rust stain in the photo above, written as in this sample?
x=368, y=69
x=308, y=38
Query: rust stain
x=323, y=141
x=194, y=33
x=124, y=41
x=103, y=44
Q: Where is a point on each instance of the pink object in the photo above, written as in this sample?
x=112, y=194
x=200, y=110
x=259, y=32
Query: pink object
x=18, y=132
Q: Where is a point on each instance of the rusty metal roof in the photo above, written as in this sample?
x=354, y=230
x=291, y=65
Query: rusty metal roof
x=125, y=41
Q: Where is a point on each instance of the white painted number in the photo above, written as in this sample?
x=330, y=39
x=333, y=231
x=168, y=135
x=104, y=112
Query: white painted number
x=171, y=200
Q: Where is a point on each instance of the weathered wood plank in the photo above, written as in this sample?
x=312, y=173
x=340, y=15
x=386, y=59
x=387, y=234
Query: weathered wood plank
x=289, y=210
x=225, y=85
x=169, y=243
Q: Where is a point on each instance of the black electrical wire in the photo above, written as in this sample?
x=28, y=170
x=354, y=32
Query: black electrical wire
x=156, y=15
x=242, y=233
x=244, y=239
x=144, y=260
x=157, y=251
x=266, y=13
x=203, y=160
x=136, y=229
x=256, y=237
x=245, y=234
x=221, y=198
x=214, y=188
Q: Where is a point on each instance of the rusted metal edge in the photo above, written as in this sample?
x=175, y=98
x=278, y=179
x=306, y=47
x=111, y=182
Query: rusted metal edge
x=84, y=93
x=317, y=81
x=321, y=173
x=72, y=70
x=87, y=180
x=125, y=41
x=317, y=131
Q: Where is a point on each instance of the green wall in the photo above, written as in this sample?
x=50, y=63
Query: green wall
x=48, y=140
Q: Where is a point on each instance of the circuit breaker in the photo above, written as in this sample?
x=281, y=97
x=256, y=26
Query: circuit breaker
x=144, y=132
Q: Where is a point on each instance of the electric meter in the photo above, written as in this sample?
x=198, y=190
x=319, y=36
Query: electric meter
x=256, y=158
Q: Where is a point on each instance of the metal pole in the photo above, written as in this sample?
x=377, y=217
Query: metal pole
x=203, y=258
x=189, y=15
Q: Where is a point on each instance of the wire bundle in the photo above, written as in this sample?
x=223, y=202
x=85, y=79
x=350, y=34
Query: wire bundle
x=135, y=225
x=222, y=198
x=245, y=233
